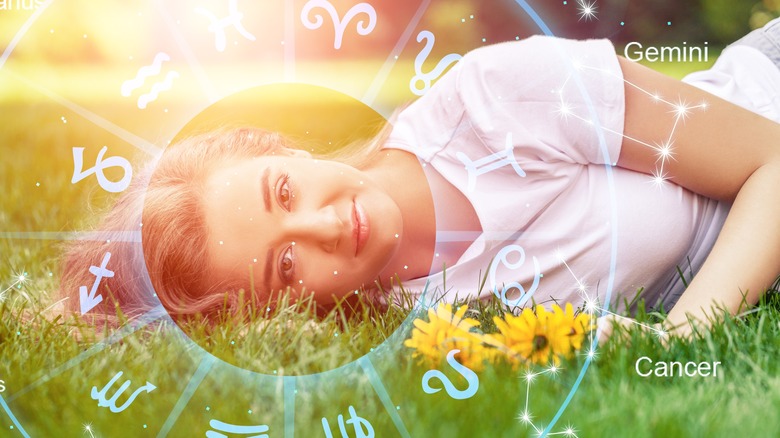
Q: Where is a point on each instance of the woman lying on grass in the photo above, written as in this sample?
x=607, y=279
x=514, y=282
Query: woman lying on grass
x=522, y=167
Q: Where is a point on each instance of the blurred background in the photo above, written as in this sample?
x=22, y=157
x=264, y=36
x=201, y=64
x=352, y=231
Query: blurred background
x=64, y=64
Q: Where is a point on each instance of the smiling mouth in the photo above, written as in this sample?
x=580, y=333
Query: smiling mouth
x=360, y=227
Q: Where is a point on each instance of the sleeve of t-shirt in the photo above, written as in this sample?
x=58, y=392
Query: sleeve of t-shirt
x=562, y=100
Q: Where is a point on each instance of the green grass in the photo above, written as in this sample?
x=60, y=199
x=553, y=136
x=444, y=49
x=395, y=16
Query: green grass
x=37, y=346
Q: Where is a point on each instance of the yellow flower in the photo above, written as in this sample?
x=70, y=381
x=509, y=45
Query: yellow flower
x=579, y=325
x=538, y=337
x=445, y=331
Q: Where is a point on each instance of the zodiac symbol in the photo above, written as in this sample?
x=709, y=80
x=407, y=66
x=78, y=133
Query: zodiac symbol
x=470, y=376
x=426, y=78
x=339, y=25
x=358, y=422
x=232, y=428
x=502, y=258
x=218, y=26
x=111, y=403
x=148, y=71
x=88, y=301
x=100, y=164
x=490, y=163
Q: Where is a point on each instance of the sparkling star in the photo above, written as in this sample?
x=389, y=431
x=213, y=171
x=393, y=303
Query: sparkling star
x=525, y=417
x=564, y=110
x=665, y=151
x=587, y=10
x=88, y=428
x=591, y=305
x=658, y=179
x=681, y=110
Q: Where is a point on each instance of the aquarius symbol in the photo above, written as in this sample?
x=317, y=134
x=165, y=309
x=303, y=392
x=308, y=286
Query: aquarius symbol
x=111, y=403
x=490, y=163
x=470, y=376
x=218, y=26
x=232, y=428
x=100, y=164
x=358, y=422
x=148, y=71
x=88, y=301
x=426, y=78
x=501, y=257
x=339, y=25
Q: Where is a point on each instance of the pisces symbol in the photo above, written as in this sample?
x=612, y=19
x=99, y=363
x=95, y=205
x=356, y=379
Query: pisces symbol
x=111, y=403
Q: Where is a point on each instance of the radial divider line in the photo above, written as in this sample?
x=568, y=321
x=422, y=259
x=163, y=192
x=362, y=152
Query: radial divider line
x=205, y=366
x=384, y=72
x=128, y=329
x=200, y=74
x=380, y=390
x=289, y=406
x=116, y=236
x=13, y=418
x=289, y=40
x=23, y=30
x=100, y=122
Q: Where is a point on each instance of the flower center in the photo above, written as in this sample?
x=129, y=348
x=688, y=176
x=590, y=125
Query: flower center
x=539, y=342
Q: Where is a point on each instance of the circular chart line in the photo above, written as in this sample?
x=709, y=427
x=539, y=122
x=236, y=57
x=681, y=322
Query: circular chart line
x=13, y=417
x=23, y=30
x=613, y=211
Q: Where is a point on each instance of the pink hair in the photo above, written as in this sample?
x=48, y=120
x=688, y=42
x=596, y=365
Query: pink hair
x=164, y=204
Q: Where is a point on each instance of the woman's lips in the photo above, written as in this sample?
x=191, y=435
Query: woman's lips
x=361, y=228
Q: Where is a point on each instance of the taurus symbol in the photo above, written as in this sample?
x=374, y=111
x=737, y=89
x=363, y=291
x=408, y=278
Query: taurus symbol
x=111, y=403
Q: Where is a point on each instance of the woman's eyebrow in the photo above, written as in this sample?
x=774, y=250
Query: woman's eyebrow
x=269, y=262
x=266, y=191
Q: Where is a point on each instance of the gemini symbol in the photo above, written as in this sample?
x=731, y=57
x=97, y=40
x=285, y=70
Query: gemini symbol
x=490, y=163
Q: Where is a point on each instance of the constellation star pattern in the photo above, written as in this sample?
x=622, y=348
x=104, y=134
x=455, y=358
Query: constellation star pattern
x=664, y=149
x=526, y=417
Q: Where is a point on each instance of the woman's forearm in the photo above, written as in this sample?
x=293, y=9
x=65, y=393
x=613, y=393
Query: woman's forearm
x=745, y=259
x=725, y=153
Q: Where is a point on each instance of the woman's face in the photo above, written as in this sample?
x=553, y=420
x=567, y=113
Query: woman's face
x=299, y=222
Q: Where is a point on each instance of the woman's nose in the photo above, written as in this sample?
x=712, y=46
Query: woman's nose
x=322, y=227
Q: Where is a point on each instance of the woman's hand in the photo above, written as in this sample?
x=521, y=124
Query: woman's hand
x=607, y=325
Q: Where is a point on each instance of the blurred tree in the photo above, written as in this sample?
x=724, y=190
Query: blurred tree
x=763, y=12
x=727, y=20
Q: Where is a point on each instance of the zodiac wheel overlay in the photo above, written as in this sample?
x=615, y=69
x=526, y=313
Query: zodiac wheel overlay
x=170, y=63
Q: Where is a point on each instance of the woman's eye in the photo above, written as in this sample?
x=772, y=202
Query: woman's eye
x=285, y=193
x=287, y=265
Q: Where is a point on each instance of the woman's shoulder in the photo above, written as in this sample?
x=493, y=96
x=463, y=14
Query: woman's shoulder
x=533, y=67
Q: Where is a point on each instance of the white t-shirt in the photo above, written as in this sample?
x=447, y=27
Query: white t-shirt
x=528, y=132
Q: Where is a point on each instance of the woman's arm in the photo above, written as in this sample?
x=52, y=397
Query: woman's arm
x=725, y=153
